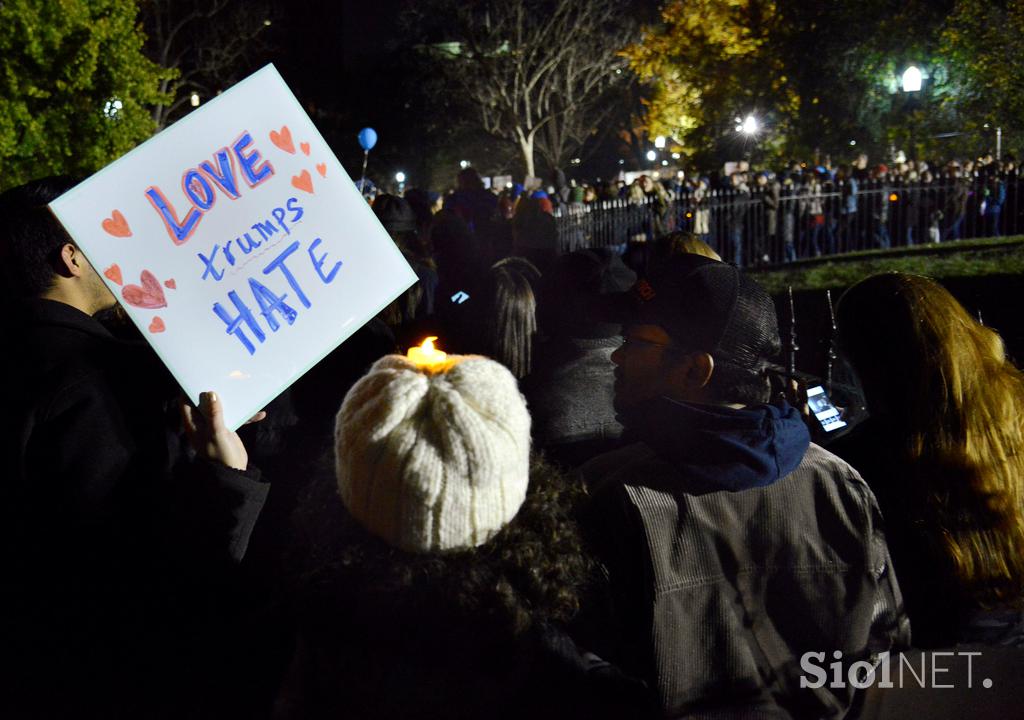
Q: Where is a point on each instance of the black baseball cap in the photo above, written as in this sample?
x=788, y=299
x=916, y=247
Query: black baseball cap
x=707, y=305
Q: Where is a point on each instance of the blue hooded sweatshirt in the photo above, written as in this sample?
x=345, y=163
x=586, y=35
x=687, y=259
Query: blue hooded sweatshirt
x=722, y=448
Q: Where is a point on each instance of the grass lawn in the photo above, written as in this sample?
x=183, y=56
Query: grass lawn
x=962, y=258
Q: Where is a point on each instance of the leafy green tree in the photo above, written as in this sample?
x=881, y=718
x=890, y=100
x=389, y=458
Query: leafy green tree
x=816, y=75
x=76, y=91
x=984, y=41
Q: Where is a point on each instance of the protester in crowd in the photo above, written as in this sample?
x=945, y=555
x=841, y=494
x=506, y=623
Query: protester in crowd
x=733, y=545
x=956, y=206
x=790, y=210
x=399, y=219
x=813, y=209
x=570, y=392
x=471, y=201
x=510, y=322
x=943, y=450
x=994, y=197
x=879, y=206
x=534, y=233
x=701, y=213
x=738, y=216
x=118, y=555
x=771, y=192
x=444, y=577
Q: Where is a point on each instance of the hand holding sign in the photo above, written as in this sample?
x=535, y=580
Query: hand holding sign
x=208, y=435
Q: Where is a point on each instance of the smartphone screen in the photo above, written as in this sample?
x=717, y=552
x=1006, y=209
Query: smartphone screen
x=823, y=409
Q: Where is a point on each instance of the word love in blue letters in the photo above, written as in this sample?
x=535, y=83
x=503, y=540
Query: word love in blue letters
x=198, y=185
x=271, y=306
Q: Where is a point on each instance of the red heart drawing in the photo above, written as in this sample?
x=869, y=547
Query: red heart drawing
x=283, y=139
x=322, y=169
x=303, y=181
x=116, y=225
x=157, y=325
x=305, y=148
x=171, y=284
x=149, y=296
x=113, y=273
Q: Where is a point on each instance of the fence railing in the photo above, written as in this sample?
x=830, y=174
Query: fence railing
x=773, y=226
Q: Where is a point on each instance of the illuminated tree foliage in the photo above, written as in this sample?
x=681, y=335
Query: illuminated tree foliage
x=819, y=76
x=76, y=91
x=708, y=62
x=984, y=41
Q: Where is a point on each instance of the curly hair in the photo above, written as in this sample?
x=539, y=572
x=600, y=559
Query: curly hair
x=531, y=572
x=955, y=407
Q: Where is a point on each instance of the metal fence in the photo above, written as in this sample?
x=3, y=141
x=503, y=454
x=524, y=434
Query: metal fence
x=773, y=225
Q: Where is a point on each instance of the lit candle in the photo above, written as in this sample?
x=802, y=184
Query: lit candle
x=426, y=355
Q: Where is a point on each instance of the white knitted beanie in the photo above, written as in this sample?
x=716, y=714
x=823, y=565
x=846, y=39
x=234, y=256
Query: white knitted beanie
x=433, y=459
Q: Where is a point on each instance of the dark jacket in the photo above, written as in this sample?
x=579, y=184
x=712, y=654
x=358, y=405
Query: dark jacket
x=733, y=547
x=363, y=660
x=112, y=554
x=570, y=398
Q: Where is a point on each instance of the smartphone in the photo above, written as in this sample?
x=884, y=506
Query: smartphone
x=823, y=409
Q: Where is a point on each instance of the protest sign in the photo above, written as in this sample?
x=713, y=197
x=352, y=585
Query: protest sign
x=237, y=244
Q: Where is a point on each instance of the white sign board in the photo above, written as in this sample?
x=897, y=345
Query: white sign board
x=237, y=244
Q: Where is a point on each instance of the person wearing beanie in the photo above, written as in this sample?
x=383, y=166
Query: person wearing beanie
x=452, y=488
x=446, y=563
x=726, y=534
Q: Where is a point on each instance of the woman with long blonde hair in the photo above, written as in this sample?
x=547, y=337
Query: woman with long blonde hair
x=948, y=468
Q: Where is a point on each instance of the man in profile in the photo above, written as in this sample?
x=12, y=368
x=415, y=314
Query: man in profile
x=112, y=554
x=733, y=545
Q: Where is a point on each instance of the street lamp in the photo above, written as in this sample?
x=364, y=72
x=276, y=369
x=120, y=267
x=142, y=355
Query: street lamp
x=659, y=142
x=652, y=156
x=194, y=100
x=911, y=79
x=911, y=82
x=463, y=164
x=749, y=126
x=400, y=177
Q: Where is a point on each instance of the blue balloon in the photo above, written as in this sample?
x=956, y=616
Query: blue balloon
x=367, y=138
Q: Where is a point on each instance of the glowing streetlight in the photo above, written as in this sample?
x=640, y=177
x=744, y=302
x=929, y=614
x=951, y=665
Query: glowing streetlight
x=651, y=155
x=463, y=164
x=113, y=107
x=400, y=177
x=911, y=79
x=659, y=142
x=749, y=126
x=194, y=100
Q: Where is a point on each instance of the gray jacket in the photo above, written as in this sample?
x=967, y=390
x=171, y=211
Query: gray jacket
x=716, y=591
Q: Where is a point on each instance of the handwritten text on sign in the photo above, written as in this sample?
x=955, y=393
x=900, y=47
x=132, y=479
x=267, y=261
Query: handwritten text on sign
x=241, y=227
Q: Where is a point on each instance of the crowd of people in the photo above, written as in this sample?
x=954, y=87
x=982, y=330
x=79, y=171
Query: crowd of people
x=606, y=501
x=763, y=216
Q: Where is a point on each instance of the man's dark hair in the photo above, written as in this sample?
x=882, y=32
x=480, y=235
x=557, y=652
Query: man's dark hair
x=30, y=236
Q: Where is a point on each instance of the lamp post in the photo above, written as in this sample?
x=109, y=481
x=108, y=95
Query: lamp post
x=911, y=83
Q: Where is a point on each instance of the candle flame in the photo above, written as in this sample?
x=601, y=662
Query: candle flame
x=428, y=345
x=426, y=355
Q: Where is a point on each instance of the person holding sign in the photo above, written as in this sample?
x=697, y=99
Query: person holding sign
x=110, y=548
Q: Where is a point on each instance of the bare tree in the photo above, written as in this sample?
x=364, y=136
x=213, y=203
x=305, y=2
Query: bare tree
x=541, y=73
x=211, y=43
